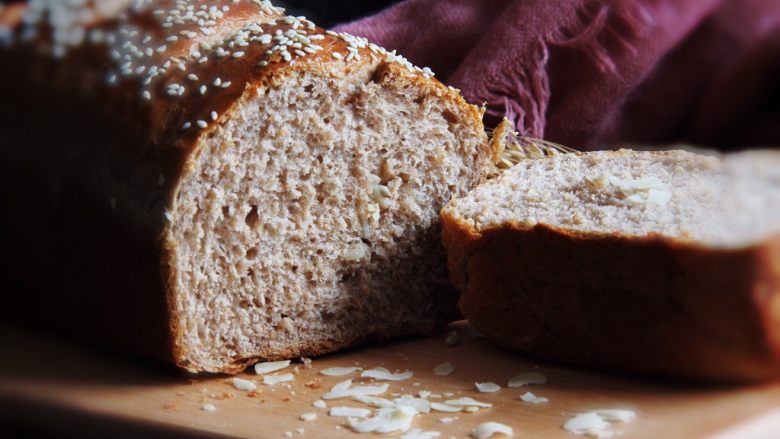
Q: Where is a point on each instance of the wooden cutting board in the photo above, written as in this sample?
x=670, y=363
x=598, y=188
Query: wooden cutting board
x=84, y=391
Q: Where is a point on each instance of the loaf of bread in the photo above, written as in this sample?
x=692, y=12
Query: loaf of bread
x=659, y=263
x=215, y=183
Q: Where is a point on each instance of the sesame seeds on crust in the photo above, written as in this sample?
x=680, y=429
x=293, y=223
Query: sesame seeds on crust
x=158, y=47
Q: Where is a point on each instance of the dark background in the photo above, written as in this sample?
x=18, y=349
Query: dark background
x=325, y=13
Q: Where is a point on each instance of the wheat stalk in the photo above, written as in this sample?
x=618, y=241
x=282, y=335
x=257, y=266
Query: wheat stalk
x=516, y=148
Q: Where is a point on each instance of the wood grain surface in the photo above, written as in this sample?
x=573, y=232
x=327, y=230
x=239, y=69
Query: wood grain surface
x=83, y=392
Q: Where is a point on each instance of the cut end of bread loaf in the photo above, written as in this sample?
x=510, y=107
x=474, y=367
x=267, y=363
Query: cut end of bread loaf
x=308, y=221
x=673, y=194
x=660, y=263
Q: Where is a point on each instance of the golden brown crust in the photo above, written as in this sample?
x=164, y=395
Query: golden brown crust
x=648, y=305
x=131, y=149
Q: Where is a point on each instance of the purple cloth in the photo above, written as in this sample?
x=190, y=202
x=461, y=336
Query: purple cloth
x=588, y=73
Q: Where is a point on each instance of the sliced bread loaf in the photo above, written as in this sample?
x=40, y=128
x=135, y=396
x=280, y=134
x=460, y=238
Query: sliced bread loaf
x=221, y=183
x=662, y=263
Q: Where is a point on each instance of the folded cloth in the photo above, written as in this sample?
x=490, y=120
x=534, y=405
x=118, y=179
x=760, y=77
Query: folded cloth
x=591, y=73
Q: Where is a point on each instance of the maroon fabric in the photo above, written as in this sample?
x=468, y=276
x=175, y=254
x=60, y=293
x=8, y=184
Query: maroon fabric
x=590, y=73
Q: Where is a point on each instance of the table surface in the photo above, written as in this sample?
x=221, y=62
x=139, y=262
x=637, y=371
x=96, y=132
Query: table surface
x=78, y=388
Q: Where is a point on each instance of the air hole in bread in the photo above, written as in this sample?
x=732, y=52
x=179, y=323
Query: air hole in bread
x=252, y=217
x=450, y=117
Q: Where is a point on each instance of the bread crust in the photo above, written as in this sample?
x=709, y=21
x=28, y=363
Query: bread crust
x=122, y=168
x=648, y=305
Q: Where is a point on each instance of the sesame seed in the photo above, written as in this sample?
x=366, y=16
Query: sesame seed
x=202, y=124
x=186, y=126
x=131, y=47
x=214, y=115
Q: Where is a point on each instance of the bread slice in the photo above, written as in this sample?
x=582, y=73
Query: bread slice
x=661, y=263
x=224, y=183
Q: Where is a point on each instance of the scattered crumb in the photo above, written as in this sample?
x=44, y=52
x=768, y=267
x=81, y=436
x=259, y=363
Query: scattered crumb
x=452, y=339
x=440, y=407
x=386, y=420
x=468, y=402
x=172, y=405
x=444, y=369
x=270, y=380
x=382, y=374
x=306, y=362
x=533, y=399
x=487, y=387
x=308, y=417
x=448, y=419
x=339, y=371
x=242, y=384
x=312, y=385
x=420, y=434
x=254, y=394
x=300, y=430
x=489, y=429
x=288, y=434
x=320, y=404
x=526, y=378
x=596, y=423
x=271, y=366
x=208, y=408
x=350, y=412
